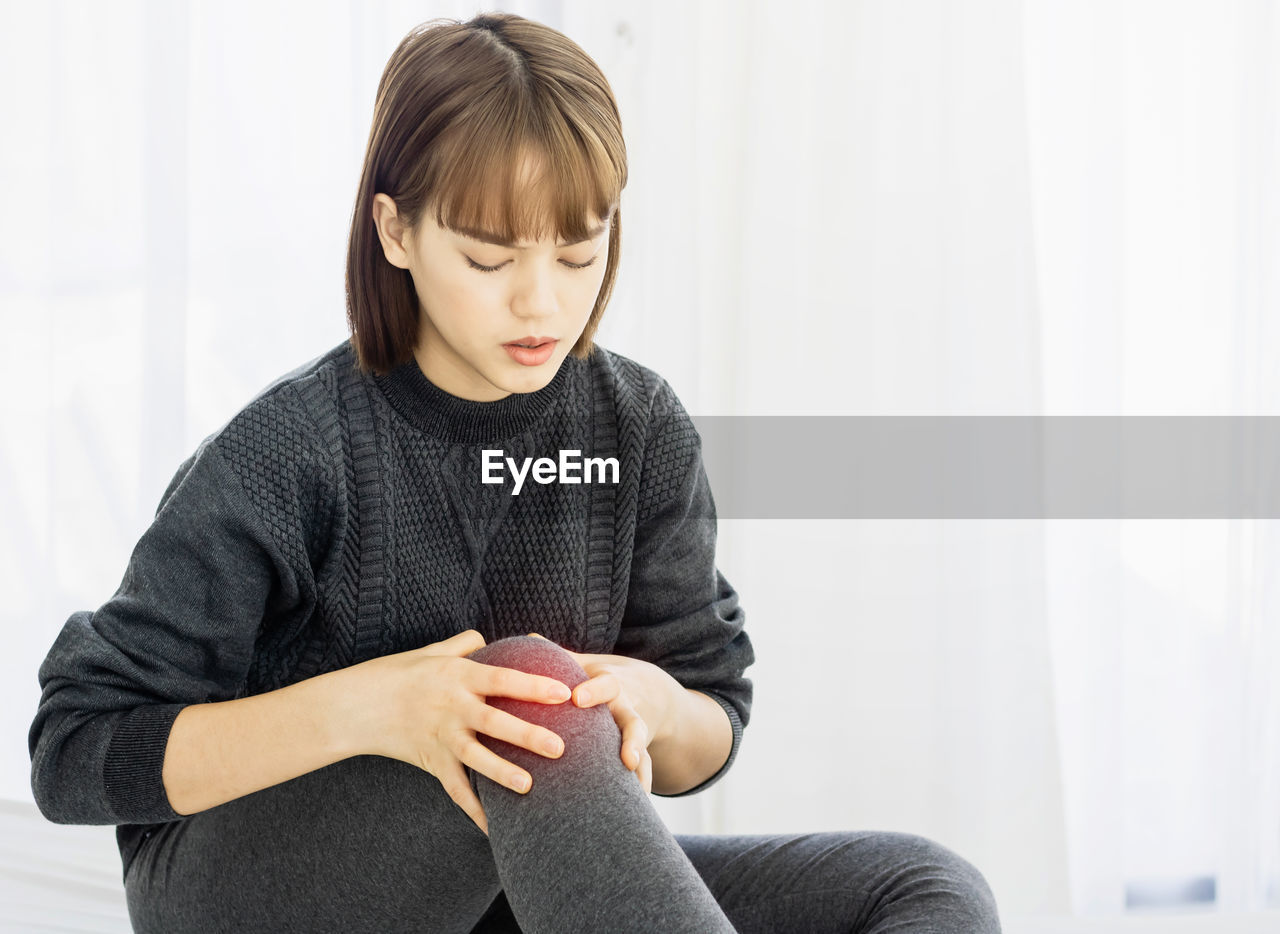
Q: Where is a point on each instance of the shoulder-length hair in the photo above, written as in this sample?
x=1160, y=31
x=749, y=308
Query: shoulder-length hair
x=460, y=109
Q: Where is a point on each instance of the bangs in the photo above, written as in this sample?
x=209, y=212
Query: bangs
x=519, y=175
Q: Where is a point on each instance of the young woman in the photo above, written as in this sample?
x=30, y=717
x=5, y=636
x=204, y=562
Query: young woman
x=316, y=703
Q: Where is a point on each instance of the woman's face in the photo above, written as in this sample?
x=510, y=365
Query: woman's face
x=476, y=326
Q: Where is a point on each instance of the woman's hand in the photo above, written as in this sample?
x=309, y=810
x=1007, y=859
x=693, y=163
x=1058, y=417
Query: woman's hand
x=425, y=707
x=641, y=697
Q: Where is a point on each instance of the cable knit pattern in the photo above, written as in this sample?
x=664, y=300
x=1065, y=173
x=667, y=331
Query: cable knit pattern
x=290, y=481
x=274, y=451
x=341, y=516
x=669, y=454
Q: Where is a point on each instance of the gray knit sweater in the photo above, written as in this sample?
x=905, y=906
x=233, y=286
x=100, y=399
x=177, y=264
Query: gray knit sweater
x=341, y=517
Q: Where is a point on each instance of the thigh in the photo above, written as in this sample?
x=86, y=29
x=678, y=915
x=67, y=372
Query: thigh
x=842, y=882
x=365, y=844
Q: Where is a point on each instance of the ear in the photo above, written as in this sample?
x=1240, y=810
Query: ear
x=396, y=239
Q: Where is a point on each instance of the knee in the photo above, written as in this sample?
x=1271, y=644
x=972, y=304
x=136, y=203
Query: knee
x=944, y=886
x=586, y=732
x=534, y=655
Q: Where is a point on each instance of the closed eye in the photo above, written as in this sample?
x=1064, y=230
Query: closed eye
x=475, y=265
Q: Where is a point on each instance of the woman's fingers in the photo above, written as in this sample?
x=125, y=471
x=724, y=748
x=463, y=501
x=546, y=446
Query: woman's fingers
x=602, y=689
x=635, y=737
x=496, y=681
x=458, y=788
x=645, y=773
x=509, y=728
x=635, y=740
x=480, y=758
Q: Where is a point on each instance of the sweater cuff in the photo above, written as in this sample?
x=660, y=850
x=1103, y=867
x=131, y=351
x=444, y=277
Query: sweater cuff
x=736, y=722
x=132, y=768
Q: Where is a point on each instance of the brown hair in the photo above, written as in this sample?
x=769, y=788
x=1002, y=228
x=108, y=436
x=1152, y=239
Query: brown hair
x=460, y=107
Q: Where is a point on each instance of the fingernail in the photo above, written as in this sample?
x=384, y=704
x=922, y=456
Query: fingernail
x=520, y=783
x=552, y=747
x=584, y=698
x=561, y=694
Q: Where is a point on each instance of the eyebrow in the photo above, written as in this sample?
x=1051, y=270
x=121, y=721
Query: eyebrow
x=485, y=236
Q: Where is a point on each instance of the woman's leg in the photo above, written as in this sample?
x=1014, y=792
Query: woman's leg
x=584, y=850
x=850, y=883
x=366, y=844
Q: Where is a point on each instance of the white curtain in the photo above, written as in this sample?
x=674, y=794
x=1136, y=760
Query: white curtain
x=886, y=207
x=1157, y=233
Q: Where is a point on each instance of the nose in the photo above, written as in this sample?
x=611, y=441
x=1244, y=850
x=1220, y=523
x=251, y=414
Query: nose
x=534, y=295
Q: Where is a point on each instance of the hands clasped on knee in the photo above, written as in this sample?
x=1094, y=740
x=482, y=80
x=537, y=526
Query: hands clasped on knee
x=429, y=707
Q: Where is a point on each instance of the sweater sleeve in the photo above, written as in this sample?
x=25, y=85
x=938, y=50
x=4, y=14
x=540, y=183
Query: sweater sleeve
x=180, y=630
x=682, y=614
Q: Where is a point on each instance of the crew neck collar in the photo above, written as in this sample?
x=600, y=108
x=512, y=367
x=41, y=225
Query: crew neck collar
x=450, y=418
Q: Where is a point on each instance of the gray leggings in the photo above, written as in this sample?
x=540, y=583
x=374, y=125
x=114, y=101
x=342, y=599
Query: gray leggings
x=374, y=844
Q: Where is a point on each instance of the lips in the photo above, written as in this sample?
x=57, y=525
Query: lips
x=531, y=351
